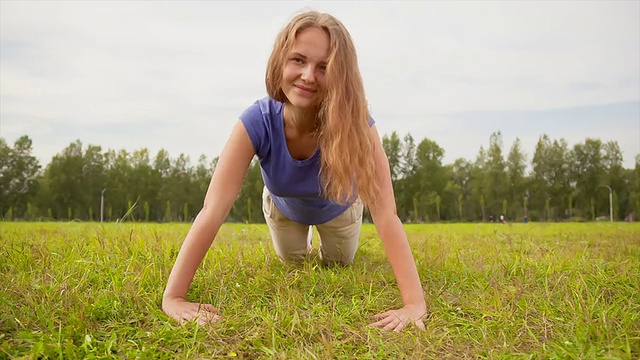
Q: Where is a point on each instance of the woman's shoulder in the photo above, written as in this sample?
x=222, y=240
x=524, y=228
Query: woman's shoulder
x=262, y=113
x=265, y=106
x=260, y=122
x=270, y=106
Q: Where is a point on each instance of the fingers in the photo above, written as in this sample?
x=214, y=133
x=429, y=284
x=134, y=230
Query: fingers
x=382, y=315
x=392, y=321
x=202, y=318
x=210, y=308
x=207, y=319
x=384, y=322
x=396, y=320
x=400, y=326
x=395, y=325
x=203, y=314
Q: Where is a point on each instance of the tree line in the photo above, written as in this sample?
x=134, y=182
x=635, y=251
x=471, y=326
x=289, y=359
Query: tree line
x=559, y=183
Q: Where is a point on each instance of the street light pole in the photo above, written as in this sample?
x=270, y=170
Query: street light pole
x=102, y=204
x=610, y=202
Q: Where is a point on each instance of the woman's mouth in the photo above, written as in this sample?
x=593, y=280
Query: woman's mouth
x=305, y=89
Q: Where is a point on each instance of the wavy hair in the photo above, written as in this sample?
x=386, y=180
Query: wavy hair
x=344, y=135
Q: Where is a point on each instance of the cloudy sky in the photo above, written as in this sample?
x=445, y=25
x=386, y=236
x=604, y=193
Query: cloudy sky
x=176, y=75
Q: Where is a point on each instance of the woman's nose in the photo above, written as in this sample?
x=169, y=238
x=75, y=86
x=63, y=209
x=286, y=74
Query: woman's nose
x=308, y=74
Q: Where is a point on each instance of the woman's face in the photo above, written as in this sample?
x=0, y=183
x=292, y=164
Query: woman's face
x=303, y=80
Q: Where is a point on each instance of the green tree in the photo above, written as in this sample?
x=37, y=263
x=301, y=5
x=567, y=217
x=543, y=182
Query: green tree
x=393, y=150
x=119, y=183
x=460, y=187
x=94, y=178
x=477, y=184
x=19, y=171
x=616, y=179
x=495, y=175
x=162, y=169
x=516, y=165
x=167, y=212
x=589, y=174
x=431, y=178
x=65, y=181
x=144, y=183
x=146, y=211
x=634, y=186
x=406, y=187
x=551, y=178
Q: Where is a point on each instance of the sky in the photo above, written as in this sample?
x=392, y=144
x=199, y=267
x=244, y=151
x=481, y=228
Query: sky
x=176, y=75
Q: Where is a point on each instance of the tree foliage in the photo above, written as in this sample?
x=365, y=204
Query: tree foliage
x=559, y=183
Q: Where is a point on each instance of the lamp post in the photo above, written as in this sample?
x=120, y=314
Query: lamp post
x=610, y=202
x=102, y=204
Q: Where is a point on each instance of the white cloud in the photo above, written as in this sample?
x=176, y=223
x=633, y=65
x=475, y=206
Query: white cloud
x=184, y=71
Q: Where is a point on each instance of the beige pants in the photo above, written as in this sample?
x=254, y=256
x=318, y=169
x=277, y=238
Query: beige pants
x=292, y=241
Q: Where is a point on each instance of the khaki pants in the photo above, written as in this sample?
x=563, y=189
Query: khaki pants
x=292, y=241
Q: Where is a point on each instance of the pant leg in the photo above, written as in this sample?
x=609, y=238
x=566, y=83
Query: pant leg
x=291, y=240
x=339, y=237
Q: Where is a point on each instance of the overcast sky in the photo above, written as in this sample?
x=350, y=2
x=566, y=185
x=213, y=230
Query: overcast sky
x=176, y=75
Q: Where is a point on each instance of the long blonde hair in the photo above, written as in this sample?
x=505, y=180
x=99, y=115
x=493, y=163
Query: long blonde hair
x=344, y=135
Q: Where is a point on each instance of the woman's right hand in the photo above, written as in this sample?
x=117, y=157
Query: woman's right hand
x=184, y=311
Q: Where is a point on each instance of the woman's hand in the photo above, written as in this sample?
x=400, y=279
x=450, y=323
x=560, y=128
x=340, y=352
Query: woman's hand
x=397, y=320
x=184, y=311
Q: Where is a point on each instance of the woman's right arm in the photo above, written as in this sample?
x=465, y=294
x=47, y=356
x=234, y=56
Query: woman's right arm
x=222, y=192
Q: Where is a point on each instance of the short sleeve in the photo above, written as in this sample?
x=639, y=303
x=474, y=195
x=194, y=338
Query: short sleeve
x=254, y=123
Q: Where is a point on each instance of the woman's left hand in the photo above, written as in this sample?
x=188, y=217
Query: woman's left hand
x=397, y=320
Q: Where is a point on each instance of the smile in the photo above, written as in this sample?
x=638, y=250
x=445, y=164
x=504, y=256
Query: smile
x=305, y=89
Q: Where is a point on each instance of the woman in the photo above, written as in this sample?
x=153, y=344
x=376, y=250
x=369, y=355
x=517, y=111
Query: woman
x=321, y=159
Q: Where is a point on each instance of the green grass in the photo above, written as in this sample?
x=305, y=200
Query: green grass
x=534, y=291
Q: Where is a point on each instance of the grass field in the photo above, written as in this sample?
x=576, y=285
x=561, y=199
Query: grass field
x=523, y=291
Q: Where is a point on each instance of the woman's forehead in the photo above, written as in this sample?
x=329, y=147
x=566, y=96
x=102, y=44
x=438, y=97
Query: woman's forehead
x=312, y=43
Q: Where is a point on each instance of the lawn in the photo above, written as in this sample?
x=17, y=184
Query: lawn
x=523, y=291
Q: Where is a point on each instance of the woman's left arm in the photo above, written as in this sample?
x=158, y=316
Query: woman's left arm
x=396, y=245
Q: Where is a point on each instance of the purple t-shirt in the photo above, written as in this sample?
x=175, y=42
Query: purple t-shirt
x=294, y=184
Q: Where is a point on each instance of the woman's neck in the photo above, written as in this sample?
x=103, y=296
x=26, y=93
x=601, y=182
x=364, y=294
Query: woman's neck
x=303, y=121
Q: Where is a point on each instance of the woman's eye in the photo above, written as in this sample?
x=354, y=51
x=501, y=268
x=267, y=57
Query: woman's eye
x=297, y=60
x=322, y=68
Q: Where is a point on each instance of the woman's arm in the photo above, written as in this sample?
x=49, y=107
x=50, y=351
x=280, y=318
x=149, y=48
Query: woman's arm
x=396, y=245
x=222, y=192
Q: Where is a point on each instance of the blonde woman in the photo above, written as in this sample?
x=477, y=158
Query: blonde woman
x=322, y=161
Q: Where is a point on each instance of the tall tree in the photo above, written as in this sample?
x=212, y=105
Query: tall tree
x=162, y=168
x=393, y=150
x=94, y=176
x=119, y=195
x=430, y=174
x=18, y=176
x=495, y=176
x=65, y=181
x=478, y=176
x=406, y=186
x=460, y=188
x=180, y=183
x=589, y=175
x=145, y=183
x=516, y=165
x=551, y=190
x=634, y=185
x=615, y=178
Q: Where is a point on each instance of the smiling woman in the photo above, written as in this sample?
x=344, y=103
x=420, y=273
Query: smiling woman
x=322, y=161
x=303, y=78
